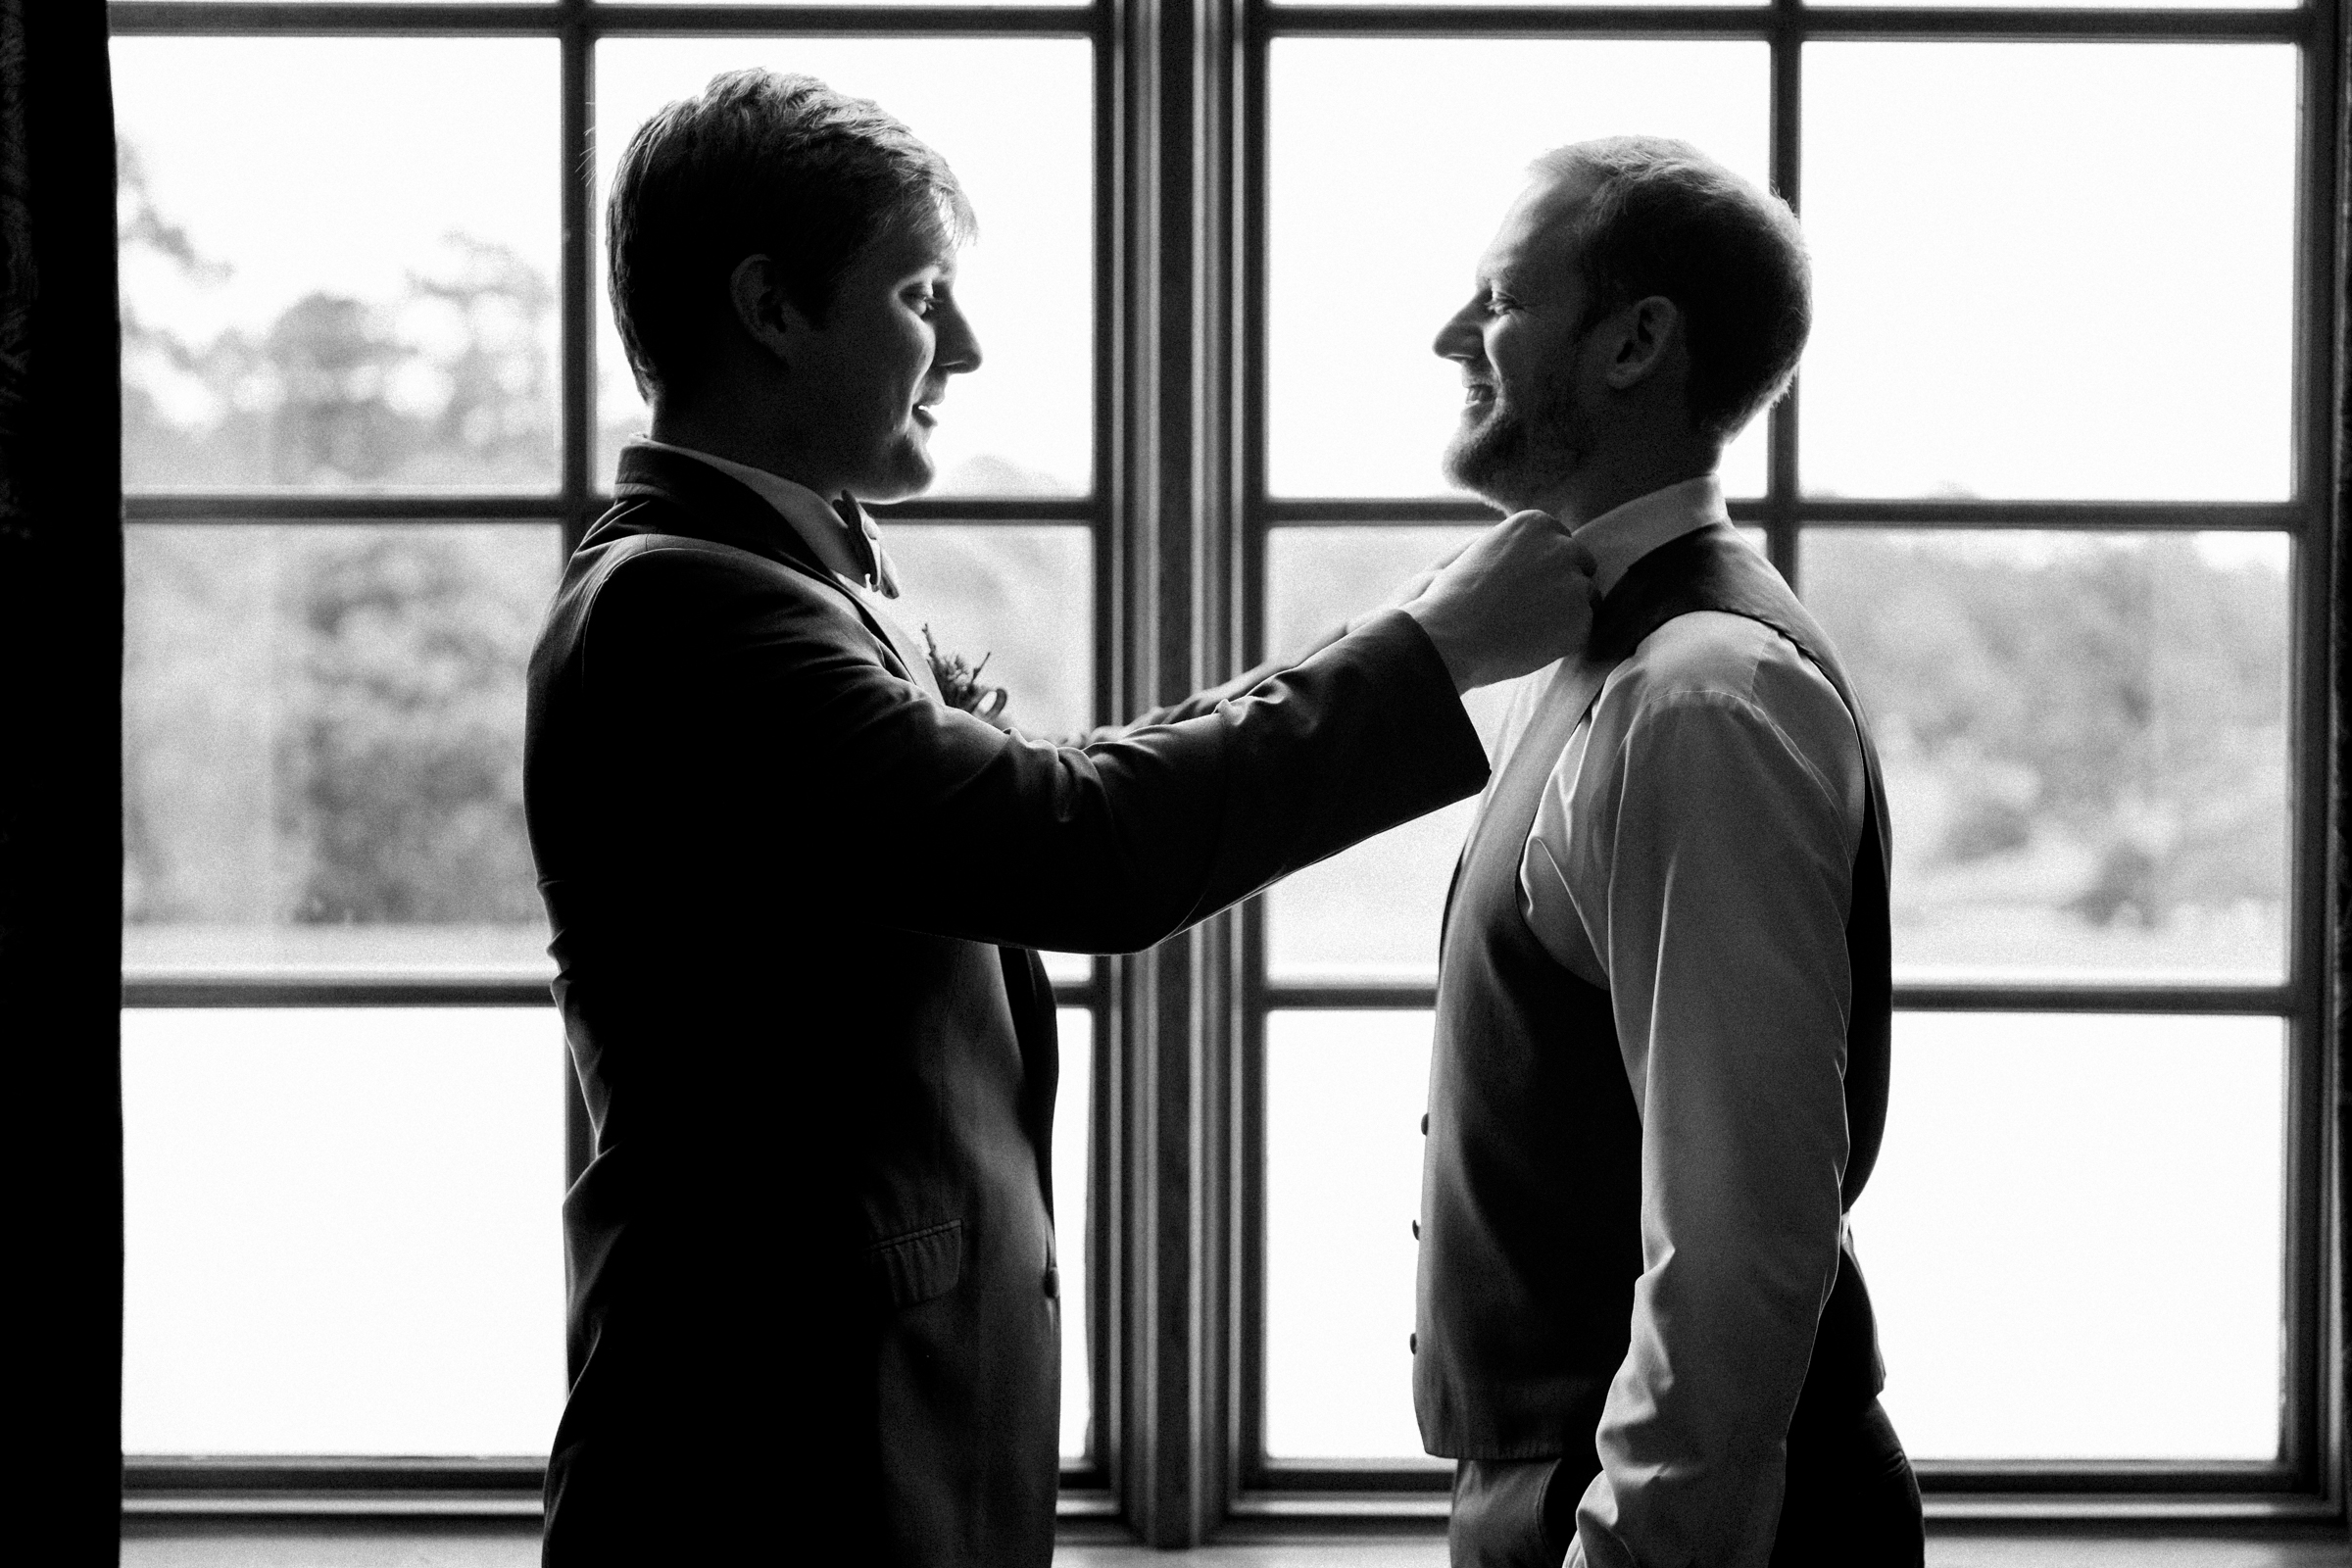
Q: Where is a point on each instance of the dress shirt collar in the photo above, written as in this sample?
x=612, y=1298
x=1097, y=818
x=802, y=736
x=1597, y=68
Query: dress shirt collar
x=1623, y=535
x=811, y=514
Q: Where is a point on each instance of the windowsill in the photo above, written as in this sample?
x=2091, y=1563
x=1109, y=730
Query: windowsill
x=1263, y=1514
x=515, y=1543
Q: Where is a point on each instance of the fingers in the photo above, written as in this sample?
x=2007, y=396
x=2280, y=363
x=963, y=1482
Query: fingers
x=1553, y=537
x=1581, y=556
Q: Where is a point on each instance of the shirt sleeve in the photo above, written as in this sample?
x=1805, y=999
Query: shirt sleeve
x=1703, y=855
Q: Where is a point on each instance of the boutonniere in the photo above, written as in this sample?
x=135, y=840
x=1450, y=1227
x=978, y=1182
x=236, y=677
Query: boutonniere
x=959, y=683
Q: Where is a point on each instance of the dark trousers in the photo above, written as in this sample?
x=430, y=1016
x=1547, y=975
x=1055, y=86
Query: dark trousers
x=1849, y=1501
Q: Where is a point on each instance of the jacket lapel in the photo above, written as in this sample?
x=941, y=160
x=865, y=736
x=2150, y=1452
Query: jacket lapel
x=717, y=508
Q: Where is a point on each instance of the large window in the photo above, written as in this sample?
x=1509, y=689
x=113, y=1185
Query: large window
x=2053, y=477
x=2073, y=548
x=371, y=395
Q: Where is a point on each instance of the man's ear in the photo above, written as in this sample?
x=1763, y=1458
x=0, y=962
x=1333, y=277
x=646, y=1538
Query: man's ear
x=763, y=309
x=1651, y=333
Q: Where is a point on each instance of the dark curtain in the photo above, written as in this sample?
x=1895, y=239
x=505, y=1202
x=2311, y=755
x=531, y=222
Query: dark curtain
x=2339, y=772
x=61, y=876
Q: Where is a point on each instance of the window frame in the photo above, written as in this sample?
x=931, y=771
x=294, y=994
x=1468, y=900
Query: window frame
x=1181, y=515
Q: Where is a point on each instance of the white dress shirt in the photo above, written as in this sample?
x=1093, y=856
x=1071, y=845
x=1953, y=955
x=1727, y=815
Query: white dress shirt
x=1693, y=853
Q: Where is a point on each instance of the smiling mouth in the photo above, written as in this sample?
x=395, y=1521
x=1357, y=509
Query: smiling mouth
x=1477, y=394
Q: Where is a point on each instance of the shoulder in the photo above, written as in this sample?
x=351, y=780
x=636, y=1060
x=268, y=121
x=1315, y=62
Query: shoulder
x=1715, y=661
x=655, y=601
x=1711, y=698
x=658, y=574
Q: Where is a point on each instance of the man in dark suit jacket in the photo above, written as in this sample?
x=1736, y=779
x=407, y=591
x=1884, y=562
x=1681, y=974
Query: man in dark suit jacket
x=814, y=1310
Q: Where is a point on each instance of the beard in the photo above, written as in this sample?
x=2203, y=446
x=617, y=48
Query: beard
x=1509, y=454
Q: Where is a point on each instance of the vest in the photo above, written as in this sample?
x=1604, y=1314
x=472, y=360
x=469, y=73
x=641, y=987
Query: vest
x=1531, y=1180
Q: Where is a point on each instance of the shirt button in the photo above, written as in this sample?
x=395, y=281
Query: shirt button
x=1425, y=1124
x=1416, y=1230
x=1052, y=1284
x=1413, y=1343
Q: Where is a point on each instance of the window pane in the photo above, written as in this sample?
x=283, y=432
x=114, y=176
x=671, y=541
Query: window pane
x=1023, y=423
x=322, y=744
x=2086, y=745
x=342, y=1231
x=1022, y=599
x=1441, y=5
x=910, y=3
x=2074, y=1237
x=2088, y=4
x=1073, y=1118
x=1384, y=191
x=338, y=263
x=2038, y=1272
x=1370, y=912
x=2051, y=269
x=1345, y=1093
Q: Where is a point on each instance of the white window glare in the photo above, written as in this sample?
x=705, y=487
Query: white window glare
x=2056, y=272
x=1345, y=1093
x=1073, y=1120
x=341, y=1230
x=2074, y=1236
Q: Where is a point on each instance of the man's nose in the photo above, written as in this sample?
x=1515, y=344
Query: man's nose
x=1458, y=338
x=958, y=345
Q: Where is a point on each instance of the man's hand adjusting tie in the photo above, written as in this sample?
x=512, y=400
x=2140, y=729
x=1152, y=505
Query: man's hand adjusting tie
x=1520, y=597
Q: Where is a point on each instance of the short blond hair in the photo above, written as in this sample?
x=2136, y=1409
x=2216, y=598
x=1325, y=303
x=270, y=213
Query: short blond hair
x=1664, y=219
x=757, y=163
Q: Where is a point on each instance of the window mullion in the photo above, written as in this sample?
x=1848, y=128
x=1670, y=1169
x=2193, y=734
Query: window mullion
x=1171, y=487
x=1783, y=476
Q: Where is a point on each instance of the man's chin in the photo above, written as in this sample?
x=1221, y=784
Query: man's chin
x=1484, y=475
x=907, y=471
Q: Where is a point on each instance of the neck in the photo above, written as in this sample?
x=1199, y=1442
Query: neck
x=725, y=432
x=1617, y=474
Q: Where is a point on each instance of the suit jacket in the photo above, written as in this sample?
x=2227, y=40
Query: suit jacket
x=811, y=1267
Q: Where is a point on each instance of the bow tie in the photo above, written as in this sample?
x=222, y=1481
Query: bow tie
x=866, y=544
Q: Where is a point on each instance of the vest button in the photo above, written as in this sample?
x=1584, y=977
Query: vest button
x=1425, y=1124
x=1413, y=1343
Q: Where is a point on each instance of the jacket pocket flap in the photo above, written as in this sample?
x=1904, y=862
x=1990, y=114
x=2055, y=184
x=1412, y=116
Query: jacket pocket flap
x=918, y=1265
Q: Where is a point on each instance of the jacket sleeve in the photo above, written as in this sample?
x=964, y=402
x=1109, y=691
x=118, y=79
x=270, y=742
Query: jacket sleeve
x=775, y=700
x=1206, y=702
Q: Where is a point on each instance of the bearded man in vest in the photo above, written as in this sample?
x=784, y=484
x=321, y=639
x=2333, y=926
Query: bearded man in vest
x=1660, y=1067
